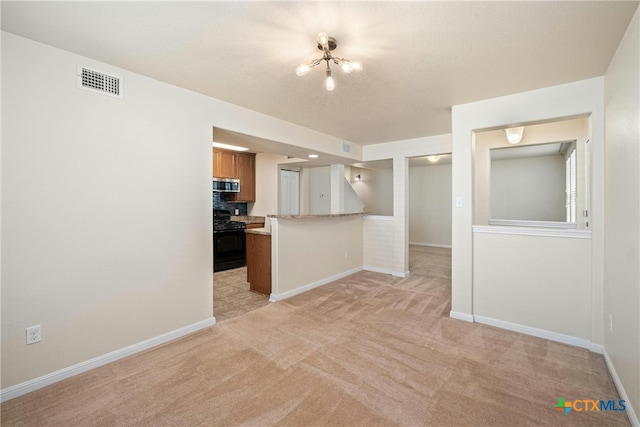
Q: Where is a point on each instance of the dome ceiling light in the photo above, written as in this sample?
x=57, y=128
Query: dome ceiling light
x=514, y=135
x=326, y=44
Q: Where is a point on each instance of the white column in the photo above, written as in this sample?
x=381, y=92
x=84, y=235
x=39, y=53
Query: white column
x=400, y=217
x=337, y=188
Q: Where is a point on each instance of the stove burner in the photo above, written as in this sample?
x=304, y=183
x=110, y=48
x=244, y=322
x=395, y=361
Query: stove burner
x=222, y=221
x=220, y=225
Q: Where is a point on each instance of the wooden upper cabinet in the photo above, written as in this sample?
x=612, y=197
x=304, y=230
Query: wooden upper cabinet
x=224, y=164
x=246, y=172
x=230, y=164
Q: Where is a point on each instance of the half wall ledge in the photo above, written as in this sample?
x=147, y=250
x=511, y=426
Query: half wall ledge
x=316, y=215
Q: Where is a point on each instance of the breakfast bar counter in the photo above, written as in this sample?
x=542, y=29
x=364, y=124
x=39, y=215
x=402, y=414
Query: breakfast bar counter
x=315, y=216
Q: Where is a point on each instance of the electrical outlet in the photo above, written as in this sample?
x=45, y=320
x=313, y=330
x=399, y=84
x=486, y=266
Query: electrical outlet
x=346, y=254
x=34, y=334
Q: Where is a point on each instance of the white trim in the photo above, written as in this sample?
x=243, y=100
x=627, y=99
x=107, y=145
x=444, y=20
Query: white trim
x=491, y=229
x=304, y=288
x=431, y=245
x=68, y=372
x=596, y=348
x=633, y=418
x=377, y=269
x=401, y=273
x=461, y=316
x=529, y=330
x=539, y=224
x=378, y=217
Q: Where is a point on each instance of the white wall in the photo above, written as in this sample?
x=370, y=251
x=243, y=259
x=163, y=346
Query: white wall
x=399, y=152
x=378, y=244
x=430, y=205
x=541, y=282
x=106, y=208
x=622, y=245
x=319, y=189
x=569, y=100
x=528, y=188
x=267, y=178
x=308, y=252
x=375, y=189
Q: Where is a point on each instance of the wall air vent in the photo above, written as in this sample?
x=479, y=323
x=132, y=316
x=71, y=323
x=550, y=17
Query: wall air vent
x=100, y=82
x=346, y=148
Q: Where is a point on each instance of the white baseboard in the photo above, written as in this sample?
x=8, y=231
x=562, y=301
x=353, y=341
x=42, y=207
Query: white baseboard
x=461, y=316
x=633, y=418
x=431, y=245
x=596, y=348
x=540, y=333
x=304, y=288
x=378, y=270
x=53, y=377
x=401, y=273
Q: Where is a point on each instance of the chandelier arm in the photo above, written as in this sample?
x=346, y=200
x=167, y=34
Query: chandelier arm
x=315, y=62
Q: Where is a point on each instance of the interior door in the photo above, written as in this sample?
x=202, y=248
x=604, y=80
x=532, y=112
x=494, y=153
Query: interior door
x=289, y=192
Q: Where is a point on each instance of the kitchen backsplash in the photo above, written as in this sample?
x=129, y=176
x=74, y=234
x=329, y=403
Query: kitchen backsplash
x=220, y=202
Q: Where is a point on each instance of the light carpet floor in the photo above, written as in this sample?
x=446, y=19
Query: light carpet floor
x=366, y=350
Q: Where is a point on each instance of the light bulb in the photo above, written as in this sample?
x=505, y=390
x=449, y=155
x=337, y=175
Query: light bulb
x=302, y=69
x=323, y=40
x=329, y=83
x=433, y=159
x=356, y=65
x=347, y=67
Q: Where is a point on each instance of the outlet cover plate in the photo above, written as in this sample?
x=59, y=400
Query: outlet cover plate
x=34, y=334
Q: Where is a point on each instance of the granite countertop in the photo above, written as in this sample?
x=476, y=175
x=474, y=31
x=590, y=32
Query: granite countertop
x=263, y=231
x=249, y=219
x=316, y=216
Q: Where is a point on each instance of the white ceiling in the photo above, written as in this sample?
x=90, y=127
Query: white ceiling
x=419, y=58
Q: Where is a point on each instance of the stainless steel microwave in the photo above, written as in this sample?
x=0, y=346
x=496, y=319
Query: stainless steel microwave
x=226, y=185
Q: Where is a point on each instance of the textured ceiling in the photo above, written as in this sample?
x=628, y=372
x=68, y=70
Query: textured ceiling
x=419, y=58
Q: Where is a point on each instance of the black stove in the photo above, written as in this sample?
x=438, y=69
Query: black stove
x=228, y=241
x=222, y=221
x=228, y=225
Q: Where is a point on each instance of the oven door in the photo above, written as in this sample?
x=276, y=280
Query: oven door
x=229, y=249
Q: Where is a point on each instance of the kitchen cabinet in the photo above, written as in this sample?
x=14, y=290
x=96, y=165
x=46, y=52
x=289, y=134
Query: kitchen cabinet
x=230, y=164
x=224, y=164
x=255, y=225
x=259, y=262
x=246, y=172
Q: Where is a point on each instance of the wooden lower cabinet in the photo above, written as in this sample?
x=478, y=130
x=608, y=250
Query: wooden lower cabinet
x=255, y=225
x=259, y=262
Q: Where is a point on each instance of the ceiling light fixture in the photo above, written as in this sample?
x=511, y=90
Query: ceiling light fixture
x=228, y=146
x=433, y=159
x=326, y=44
x=514, y=135
x=313, y=156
